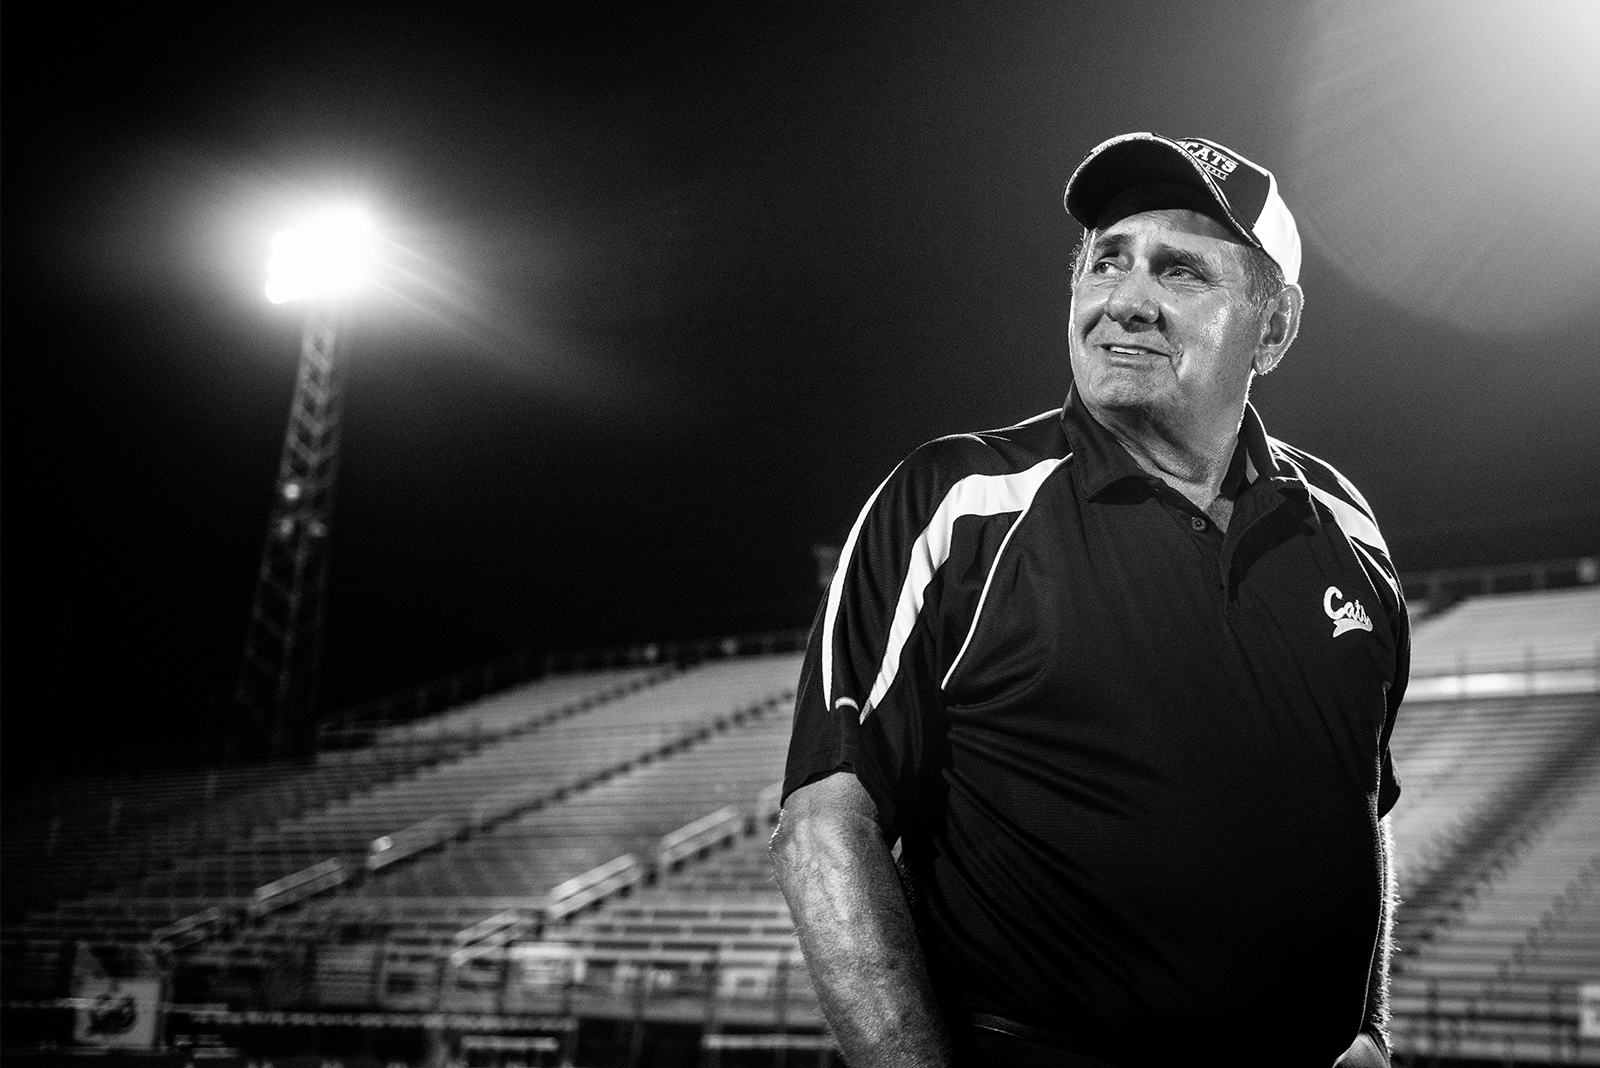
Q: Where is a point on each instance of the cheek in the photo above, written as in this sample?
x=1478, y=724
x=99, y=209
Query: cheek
x=1075, y=309
x=1085, y=298
x=1227, y=341
x=1083, y=312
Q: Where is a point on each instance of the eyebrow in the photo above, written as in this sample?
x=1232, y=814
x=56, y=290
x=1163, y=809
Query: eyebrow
x=1107, y=243
x=1163, y=254
x=1200, y=264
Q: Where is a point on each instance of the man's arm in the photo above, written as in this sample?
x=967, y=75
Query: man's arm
x=1371, y=1047
x=1377, y=1017
x=855, y=928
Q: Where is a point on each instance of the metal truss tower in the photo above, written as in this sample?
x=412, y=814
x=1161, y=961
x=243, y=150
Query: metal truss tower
x=274, y=702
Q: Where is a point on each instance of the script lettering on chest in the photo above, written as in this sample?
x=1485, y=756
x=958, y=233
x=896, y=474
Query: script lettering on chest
x=1347, y=616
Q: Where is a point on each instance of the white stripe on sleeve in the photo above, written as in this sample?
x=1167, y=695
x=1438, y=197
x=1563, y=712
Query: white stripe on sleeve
x=1356, y=524
x=973, y=495
x=835, y=592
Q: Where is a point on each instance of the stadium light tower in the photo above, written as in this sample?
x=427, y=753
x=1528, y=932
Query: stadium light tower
x=319, y=263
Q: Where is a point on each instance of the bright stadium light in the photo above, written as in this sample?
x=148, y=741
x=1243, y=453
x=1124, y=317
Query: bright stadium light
x=322, y=262
x=327, y=257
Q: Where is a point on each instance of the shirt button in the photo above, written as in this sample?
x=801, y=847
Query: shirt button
x=1198, y=523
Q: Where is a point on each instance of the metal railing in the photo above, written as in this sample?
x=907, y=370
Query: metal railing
x=1570, y=668
x=1444, y=586
x=715, y=986
x=1538, y=1022
x=741, y=1002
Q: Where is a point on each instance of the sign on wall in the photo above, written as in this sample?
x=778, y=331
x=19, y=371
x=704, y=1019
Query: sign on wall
x=117, y=1012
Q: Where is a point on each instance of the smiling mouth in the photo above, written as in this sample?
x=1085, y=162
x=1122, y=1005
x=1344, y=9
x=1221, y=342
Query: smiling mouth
x=1134, y=350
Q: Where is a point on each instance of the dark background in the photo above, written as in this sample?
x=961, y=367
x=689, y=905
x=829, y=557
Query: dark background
x=684, y=286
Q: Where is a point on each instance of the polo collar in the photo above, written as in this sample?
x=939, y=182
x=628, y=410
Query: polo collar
x=1101, y=460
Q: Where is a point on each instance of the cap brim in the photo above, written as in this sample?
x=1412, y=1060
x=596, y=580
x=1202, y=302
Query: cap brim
x=1136, y=159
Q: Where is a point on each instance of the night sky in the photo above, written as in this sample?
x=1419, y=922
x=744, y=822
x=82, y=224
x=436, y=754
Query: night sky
x=676, y=290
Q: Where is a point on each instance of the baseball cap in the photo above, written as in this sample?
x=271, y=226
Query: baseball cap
x=1246, y=192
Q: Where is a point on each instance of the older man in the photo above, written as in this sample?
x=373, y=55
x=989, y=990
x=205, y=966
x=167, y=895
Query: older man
x=1119, y=681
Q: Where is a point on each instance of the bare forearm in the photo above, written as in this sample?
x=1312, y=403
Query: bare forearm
x=1377, y=1013
x=1371, y=1047
x=856, y=932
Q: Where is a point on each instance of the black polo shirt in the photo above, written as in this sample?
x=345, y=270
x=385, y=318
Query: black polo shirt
x=1137, y=763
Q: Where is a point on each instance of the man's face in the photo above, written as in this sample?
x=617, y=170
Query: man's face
x=1163, y=331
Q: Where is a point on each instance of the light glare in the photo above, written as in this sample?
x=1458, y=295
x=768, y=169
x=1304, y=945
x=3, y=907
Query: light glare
x=326, y=257
x=1443, y=163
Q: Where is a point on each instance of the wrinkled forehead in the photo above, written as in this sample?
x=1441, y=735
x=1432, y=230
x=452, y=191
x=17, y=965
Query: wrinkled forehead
x=1173, y=228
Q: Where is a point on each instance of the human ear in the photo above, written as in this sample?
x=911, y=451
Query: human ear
x=1280, y=322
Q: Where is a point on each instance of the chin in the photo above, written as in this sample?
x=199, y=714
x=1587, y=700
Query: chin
x=1121, y=392
x=1134, y=410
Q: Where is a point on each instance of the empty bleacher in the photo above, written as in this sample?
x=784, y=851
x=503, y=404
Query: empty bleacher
x=1505, y=630
x=1497, y=832
x=725, y=905
x=678, y=942
x=625, y=813
x=710, y=941
x=1469, y=758
x=293, y=816
x=522, y=766
x=1524, y=643
x=738, y=873
x=1466, y=763
x=1498, y=829
x=1500, y=973
x=101, y=833
x=518, y=709
x=612, y=781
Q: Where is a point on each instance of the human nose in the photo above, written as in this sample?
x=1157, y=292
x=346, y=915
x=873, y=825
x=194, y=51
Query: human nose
x=1132, y=301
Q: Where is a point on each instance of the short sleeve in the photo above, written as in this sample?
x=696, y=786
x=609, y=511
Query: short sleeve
x=817, y=746
x=1389, y=780
x=865, y=687
x=907, y=585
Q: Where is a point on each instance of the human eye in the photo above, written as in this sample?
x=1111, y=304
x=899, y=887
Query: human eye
x=1184, y=272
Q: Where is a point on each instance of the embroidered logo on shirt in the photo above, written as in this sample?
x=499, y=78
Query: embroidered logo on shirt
x=1348, y=616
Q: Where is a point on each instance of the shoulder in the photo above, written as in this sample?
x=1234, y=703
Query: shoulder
x=1322, y=477
x=988, y=473
x=1340, y=498
x=936, y=466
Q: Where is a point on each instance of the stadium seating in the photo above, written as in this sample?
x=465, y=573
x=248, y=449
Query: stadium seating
x=1498, y=834
x=626, y=813
x=518, y=709
x=687, y=745
x=455, y=832
x=289, y=816
x=738, y=872
x=1461, y=762
x=1501, y=972
x=528, y=763
x=99, y=833
x=1508, y=631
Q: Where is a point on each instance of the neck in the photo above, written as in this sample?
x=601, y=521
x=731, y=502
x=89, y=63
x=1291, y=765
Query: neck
x=1191, y=457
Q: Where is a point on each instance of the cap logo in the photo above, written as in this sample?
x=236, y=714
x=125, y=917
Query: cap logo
x=1216, y=163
